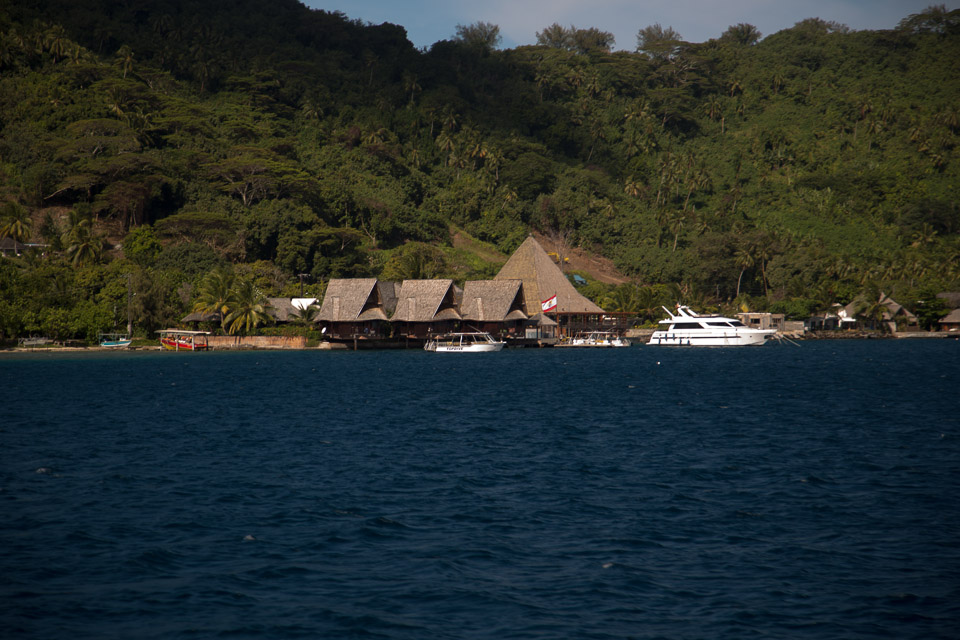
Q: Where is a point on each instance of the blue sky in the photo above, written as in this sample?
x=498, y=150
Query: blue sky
x=428, y=21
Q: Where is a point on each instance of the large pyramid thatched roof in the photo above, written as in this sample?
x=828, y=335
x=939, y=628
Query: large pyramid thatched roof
x=542, y=279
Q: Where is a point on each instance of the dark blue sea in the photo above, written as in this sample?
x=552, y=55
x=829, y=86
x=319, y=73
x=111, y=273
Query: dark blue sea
x=762, y=492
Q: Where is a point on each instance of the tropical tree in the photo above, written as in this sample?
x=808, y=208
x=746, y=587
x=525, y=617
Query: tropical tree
x=657, y=42
x=215, y=294
x=484, y=35
x=743, y=258
x=248, y=308
x=305, y=316
x=15, y=222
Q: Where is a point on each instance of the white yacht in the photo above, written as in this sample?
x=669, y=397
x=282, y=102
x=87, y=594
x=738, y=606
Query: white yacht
x=470, y=342
x=687, y=328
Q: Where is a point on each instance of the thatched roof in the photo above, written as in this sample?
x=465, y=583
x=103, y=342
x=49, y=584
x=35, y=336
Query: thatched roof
x=347, y=298
x=388, y=295
x=198, y=316
x=893, y=309
x=951, y=318
x=426, y=301
x=542, y=278
x=492, y=300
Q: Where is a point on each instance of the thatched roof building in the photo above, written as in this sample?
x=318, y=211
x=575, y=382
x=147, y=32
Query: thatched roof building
x=426, y=301
x=542, y=279
x=492, y=301
x=354, y=300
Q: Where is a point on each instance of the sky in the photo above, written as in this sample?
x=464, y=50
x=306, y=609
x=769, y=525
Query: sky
x=429, y=21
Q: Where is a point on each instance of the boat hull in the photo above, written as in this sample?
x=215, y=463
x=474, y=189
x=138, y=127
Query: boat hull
x=464, y=343
x=115, y=344
x=691, y=339
x=175, y=345
x=475, y=348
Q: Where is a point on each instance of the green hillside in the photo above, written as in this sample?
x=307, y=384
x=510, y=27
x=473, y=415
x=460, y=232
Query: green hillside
x=164, y=142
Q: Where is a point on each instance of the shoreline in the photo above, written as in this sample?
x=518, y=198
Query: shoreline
x=638, y=335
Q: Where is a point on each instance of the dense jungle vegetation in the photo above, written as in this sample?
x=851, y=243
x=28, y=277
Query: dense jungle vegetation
x=165, y=147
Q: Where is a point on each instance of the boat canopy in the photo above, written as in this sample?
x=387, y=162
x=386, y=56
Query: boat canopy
x=183, y=332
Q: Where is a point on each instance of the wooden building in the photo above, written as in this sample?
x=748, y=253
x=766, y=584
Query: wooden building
x=542, y=280
x=494, y=306
x=356, y=308
x=425, y=307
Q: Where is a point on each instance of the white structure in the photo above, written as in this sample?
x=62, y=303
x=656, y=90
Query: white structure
x=687, y=328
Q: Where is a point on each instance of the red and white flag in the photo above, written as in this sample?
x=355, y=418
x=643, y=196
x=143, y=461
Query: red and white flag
x=550, y=304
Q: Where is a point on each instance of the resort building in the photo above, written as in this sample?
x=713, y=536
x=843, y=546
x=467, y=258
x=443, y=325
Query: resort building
x=494, y=306
x=426, y=307
x=357, y=308
x=547, y=290
x=762, y=320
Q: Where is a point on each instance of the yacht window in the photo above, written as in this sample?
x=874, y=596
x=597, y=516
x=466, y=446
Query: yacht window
x=736, y=323
x=718, y=324
x=687, y=325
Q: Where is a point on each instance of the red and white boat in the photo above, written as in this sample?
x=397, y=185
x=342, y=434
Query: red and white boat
x=183, y=340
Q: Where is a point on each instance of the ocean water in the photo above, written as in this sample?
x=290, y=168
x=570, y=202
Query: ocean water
x=771, y=492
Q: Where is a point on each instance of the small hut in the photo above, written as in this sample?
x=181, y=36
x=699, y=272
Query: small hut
x=547, y=290
x=494, y=306
x=426, y=307
x=356, y=307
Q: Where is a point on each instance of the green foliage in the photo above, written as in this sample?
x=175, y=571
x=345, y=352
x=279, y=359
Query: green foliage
x=789, y=170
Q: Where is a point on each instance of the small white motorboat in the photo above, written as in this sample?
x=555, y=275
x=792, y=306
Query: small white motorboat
x=468, y=342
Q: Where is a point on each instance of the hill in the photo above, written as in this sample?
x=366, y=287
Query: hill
x=171, y=140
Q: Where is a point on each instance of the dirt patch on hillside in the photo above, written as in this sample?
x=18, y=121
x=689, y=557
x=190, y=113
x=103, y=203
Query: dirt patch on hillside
x=597, y=267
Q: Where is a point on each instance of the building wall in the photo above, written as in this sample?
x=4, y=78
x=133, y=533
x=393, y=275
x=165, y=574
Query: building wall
x=257, y=342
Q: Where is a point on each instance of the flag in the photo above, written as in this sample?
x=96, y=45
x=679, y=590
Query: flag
x=550, y=304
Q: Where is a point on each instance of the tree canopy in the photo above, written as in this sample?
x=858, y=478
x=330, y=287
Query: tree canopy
x=171, y=142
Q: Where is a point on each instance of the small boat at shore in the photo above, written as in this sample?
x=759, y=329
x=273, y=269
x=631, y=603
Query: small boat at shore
x=687, y=328
x=468, y=342
x=115, y=340
x=183, y=340
x=596, y=339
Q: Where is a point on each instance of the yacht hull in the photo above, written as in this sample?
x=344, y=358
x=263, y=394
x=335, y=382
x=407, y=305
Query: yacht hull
x=678, y=339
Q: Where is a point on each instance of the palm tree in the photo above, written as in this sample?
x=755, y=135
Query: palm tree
x=214, y=295
x=15, y=222
x=305, y=316
x=743, y=258
x=248, y=308
x=83, y=246
x=124, y=59
x=56, y=42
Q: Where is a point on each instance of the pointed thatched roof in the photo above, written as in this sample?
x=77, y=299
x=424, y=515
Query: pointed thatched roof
x=951, y=318
x=426, y=301
x=347, y=298
x=492, y=300
x=542, y=279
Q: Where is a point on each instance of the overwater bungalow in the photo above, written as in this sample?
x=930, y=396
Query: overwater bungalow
x=494, y=306
x=357, y=309
x=426, y=307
